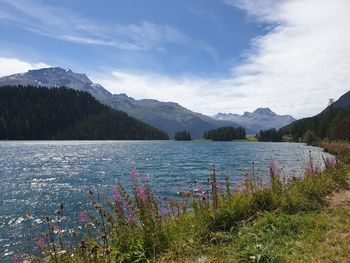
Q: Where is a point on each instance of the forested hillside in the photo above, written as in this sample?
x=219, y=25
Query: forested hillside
x=29, y=113
x=332, y=123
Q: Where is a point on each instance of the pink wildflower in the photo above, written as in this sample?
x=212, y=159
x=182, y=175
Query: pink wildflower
x=133, y=175
x=278, y=172
x=330, y=163
x=176, y=212
x=116, y=194
x=203, y=198
x=333, y=163
x=84, y=217
x=164, y=212
x=273, y=169
x=250, y=174
x=315, y=169
x=145, y=178
x=272, y=165
x=40, y=243
x=220, y=186
x=130, y=219
x=15, y=258
x=141, y=194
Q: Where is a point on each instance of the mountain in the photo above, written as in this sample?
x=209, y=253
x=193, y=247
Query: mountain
x=332, y=123
x=260, y=119
x=56, y=77
x=38, y=113
x=167, y=116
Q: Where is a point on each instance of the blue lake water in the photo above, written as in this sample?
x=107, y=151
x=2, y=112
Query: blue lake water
x=36, y=176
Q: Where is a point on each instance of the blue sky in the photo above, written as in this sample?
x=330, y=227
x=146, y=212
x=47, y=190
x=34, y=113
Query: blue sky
x=210, y=56
x=169, y=37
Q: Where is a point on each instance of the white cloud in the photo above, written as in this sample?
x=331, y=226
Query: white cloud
x=63, y=24
x=303, y=61
x=10, y=66
x=294, y=68
x=151, y=86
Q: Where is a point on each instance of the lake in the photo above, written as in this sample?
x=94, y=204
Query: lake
x=36, y=176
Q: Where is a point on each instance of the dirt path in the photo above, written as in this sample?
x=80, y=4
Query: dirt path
x=342, y=198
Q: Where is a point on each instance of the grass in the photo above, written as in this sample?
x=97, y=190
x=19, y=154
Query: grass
x=274, y=222
x=329, y=241
x=268, y=227
x=318, y=236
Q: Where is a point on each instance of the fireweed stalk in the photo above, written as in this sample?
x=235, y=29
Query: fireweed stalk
x=40, y=243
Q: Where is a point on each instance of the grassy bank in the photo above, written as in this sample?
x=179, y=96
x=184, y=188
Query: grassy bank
x=314, y=236
x=260, y=221
x=274, y=226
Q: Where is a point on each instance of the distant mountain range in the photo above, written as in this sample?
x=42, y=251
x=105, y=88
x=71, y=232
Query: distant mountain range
x=260, y=119
x=167, y=116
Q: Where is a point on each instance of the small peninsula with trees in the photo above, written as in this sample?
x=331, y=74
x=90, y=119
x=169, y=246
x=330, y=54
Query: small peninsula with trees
x=271, y=135
x=228, y=133
x=183, y=136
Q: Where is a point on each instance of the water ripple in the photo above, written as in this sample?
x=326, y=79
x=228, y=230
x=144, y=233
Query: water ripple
x=37, y=176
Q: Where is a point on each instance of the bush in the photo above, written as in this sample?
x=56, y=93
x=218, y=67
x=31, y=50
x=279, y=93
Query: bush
x=310, y=137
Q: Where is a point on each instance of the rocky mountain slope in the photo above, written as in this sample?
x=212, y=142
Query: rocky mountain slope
x=167, y=116
x=260, y=119
x=56, y=77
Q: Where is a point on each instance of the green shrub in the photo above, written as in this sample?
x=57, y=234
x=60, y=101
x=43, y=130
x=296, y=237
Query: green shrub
x=310, y=137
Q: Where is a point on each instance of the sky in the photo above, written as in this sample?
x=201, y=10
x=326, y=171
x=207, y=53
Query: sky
x=208, y=55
